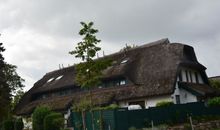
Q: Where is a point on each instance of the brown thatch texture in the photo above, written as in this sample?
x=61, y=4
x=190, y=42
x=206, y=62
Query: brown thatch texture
x=201, y=89
x=151, y=70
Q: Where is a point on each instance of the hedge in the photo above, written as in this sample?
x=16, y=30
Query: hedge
x=53, y=121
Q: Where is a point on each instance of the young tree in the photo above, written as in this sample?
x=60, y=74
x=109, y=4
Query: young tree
x=89, y=72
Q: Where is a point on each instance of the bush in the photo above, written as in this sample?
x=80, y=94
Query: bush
x=132, y=128
x=18, y=124
x=110, y=107
x=53, y=121
x=214, y=101
x=164, y=103
x=8, y=125
x=38, y=117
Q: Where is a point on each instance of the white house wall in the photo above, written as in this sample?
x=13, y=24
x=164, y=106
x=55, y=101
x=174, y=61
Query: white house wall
x=186, y=97
x=149, y=102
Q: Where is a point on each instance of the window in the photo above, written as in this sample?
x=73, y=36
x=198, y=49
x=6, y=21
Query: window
x=180, y=76
x=49, y=80
x=58, y=78
x=177, y=99
x=196, y=75
x=122, y=82
x=190, y=74
x=187, y=78
x=124, y=61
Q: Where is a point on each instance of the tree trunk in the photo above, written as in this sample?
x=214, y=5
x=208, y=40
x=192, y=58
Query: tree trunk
x=91, y=106
x=83, y=120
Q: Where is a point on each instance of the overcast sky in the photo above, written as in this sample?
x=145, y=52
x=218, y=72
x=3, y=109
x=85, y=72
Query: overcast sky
x=38, y=34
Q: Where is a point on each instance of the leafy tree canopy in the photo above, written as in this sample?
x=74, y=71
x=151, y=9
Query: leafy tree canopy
x=90, y=71
x=215, y=83
x=10, y=82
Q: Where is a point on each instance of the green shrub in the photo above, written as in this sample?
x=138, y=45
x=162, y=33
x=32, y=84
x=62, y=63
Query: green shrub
x=53, y=121
x=8, y=125
x=38, y=117
x=214, y=101
x=132, y=128
x=109, y=107
x=164, y=103
x=18, y=124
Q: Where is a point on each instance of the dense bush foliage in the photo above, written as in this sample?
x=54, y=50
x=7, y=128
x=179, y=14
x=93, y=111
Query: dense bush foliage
x=164, y=103
x=215, y=83
x=110, y=107
x=8, y=125
x=214, y=101
x=53, y=121
x=18, y=124
x=38, y=117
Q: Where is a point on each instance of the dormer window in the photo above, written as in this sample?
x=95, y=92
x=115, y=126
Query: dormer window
x=49, y=80
x=124, y=61
x=58, y=78
x=122, y=82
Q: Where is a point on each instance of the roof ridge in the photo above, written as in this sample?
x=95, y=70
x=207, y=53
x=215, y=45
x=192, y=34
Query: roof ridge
x=146, y=45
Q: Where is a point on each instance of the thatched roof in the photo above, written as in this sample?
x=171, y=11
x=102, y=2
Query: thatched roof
x=151, y=70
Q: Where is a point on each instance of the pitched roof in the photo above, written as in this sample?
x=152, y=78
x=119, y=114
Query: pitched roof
x=151, y=70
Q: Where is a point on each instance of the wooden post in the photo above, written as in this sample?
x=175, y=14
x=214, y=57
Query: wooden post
x=152, y=124
x=191, y=123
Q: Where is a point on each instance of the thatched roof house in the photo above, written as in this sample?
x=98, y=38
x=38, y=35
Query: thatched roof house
x=142, y=75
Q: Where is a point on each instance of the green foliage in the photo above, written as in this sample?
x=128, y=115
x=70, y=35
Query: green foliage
x=10, y=82
x=18, y=125
x=89, y=72
x=8, y=125
x=38, y=117
x=164, y=103
x=132, y=128
x=83, y=105
x=214, y=101
x=53, y=121
x=13, y=79
x=87, y=48
x=110, y=107
x=187, y=126
x=5, y=96
x=16, y=98
x=215, y=83
x=205, y=118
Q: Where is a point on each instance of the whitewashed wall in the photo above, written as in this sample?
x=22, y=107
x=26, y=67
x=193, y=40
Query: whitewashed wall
x=186, y=97
x=149, y=102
